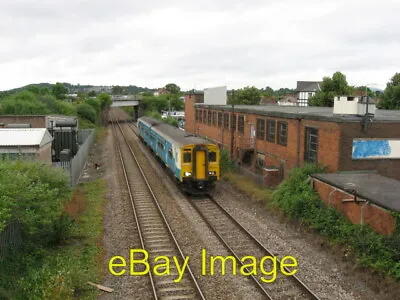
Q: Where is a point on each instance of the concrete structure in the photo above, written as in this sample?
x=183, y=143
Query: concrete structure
x=275, y=139
x=30, y=143
x=215, y=95
x=364, y=198
x=305, y=90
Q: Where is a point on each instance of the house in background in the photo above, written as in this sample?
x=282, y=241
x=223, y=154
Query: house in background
x=305, y=90
x=161, y=91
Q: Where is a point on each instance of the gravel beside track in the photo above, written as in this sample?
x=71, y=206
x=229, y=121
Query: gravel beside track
x=330, y=275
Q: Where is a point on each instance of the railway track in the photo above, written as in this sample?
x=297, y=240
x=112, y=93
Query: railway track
x=229, y=231
x=155, y=234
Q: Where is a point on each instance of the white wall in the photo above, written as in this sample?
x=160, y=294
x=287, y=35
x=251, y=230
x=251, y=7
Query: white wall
x=215, y=96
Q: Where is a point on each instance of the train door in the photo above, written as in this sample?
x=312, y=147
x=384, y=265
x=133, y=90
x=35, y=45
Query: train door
x=200, y=158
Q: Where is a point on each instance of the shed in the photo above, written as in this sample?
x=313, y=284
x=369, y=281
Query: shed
x=33, y=143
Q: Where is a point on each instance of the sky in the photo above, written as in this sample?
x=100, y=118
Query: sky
x=198, y=44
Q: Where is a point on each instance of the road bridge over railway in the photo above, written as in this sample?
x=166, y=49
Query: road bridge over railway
x=127, y=101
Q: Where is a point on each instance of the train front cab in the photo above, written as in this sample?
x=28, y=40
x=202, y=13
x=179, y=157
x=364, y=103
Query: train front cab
x=199, y=168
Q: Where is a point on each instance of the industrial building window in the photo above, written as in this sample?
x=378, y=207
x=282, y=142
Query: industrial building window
x=212, y=156
x=214, y=118
x=219, y=119
x=261, y=129
x=209, y=118
x=241, y=124
x=196, y=115
x=204, y=116
x=187, y=157
x=226, y=120
x=271, y=129
x=311, y=145
x=233, y=122
x=282, y=133
x=200, y=114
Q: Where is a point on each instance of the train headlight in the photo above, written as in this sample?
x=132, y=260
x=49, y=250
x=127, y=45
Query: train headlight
x=188, y=174
x=211, y=173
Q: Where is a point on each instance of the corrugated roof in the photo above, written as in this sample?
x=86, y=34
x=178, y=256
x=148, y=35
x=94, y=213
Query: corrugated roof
x=308, y=86
x=24, y=137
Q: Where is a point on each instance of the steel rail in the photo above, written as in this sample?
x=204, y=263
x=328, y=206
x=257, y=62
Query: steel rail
x=159, y=209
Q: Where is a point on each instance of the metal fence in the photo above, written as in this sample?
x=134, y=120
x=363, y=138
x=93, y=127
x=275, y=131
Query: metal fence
x=10, y=238
x=75, y=166
x=259, y=179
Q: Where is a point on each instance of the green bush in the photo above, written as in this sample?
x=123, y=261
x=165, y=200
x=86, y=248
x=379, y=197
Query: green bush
x=226, y=164
x=95, y=104
x=33, y=194
x=87, y=112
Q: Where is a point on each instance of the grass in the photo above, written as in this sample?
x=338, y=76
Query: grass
x=247, y=186
x=62, y=272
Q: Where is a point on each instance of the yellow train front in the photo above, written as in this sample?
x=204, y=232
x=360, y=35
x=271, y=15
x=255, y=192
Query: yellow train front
x=199, y=168
x=192, y=160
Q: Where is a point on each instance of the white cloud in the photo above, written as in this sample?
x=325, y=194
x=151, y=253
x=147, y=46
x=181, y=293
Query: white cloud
x=197, y=43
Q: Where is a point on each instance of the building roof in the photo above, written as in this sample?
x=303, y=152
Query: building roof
x=308, y=86
x=10, y=137
x=306, y=112
x=174, y=133
x=378, y=189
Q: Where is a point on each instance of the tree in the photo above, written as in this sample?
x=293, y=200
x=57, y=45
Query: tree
x=117, y=90
x=105, y=100
x=391, y=95
x=331, y=87
x=172, y=88
x=268, y=91
x=92, y=94
x=59, y=90
x=247, y=96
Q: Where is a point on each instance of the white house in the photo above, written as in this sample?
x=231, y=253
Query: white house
x=305, y=90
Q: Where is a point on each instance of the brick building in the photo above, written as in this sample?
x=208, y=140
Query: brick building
x=275, y=139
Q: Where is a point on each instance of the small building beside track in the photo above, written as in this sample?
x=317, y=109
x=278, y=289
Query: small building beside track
x=27, y=143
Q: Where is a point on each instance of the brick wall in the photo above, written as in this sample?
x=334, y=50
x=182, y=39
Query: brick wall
x=385, y=167
x=35, y=121
x=378, y=218
x=284, y=157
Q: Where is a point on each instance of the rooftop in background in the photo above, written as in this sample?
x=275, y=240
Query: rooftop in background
x=380, y=190
x=308, y=86
x=11, y=137
x=306, y=112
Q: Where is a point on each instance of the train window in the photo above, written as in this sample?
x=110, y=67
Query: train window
x=160, y=145
x=170, y=153
x=187, y=157
x=212, y=156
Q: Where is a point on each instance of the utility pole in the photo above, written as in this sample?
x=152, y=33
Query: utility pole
x=233, y=129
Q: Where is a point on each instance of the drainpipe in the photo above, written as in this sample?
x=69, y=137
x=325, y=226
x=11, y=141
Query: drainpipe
x=362, y=212
x=330, y=196
x=298, y=143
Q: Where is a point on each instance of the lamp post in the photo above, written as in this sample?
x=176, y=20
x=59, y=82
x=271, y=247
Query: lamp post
x=366, y=109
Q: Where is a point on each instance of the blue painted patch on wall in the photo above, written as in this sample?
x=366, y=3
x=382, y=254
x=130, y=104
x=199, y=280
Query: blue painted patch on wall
x=371, y=148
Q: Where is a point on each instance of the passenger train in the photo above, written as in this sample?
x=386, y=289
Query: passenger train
x=192, y=160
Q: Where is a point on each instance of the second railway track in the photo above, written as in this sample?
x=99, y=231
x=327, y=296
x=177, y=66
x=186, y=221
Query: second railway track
x=154, y=231
x=240, y=242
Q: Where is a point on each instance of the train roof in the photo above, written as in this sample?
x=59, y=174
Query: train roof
x=174, y=133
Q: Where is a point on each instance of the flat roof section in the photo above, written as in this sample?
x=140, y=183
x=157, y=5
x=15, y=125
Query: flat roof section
x=378, y=189
x=306, y=112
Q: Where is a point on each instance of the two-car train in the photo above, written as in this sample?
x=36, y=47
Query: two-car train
x=192, y=160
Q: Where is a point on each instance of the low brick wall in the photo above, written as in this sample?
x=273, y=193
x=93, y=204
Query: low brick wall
x=358, y=212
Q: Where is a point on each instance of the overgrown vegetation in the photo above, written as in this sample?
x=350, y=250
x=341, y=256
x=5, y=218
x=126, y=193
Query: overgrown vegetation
x=42, y=101
x=59, y=253
x=226, y=164
x=297, y=199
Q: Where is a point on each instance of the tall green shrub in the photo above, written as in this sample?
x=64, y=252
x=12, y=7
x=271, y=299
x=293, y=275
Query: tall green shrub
x=87, y=112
